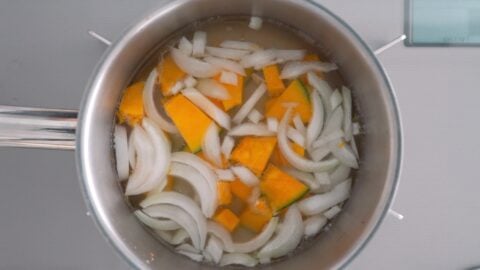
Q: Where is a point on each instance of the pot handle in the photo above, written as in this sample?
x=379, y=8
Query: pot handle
x=37, y=128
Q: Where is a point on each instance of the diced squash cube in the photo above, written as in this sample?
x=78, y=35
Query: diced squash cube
x=240, y=190
x=274, y=83
x=280, y=188
x=256, y=216
x=235, y=91
x=168, y=74
x=224, y=193
x=227, y=219
x=254, y=152
x=296, y=93
x=131, y=106
x=189, y=119
x=269, y=103
x=279, y=160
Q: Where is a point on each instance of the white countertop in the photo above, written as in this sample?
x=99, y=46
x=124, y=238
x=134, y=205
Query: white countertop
x=46, y=58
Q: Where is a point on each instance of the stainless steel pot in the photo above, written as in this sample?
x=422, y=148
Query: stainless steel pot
x=92, y=139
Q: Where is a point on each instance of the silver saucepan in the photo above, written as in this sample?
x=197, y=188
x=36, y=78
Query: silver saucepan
x=91, y=134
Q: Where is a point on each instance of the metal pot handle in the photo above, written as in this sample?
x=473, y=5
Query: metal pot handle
x=37, y=128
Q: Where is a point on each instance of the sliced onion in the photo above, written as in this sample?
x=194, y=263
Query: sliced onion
x=250, y=129
x=347, y=116
x=323, y=89
x=183, y=202
x=289, y=55
x=342, y=151
x=249, y=104
x=255, y=116
x=324, y=140
x=206, y=256
x=334, y=122
x=354, y=148
x=332, y=212
x=211, y=145
x=132, y=151
x=144, y=161
x=178, y=215
x=320, y=153
x=292, y=157
x=316, y=204
x=335, y=99
x=287, y=238
x=150, y=108
x=296, y=68
x=180, y=236
x=226, y=64
x=187, y=248
x=121, y=151
x=313, y=225
x=316, y=123
x=193, y=256
x=238, y=259
x=221, y=117
x=199, y=43
x=156, y=224
x=245, y=175
x=265, y=260
x=272, y=124
x=239, y=45
x=176, y=88
x=222, y=234
x=185, y=46
x=165, y=236
x=304, y=177
x=296, y=136
x=190, y=81
x=255, y=23
x=340, y=174
x=200, y=165
x=259, y=240
x=323, y=179
x=228, y=77
x=225, y=175
x=227, y=146
x=233, y=54
x=298, y=124
x=213, y=89
x=258, y=59
x=214, y=248
x=193, y=66
x=356, y=128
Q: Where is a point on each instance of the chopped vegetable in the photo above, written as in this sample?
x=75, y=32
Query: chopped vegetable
x=278, y=158
x=255, y=116
x=299, y=126
x=256, y=216
x=199, y=43
x=235, y=92
x=238, y=259
x=226, y=64
x=217, y=114
x=227, y=146
x=347, y=116
x=239, y=45
x=296, y=68
x=212, y=89
x=313, y=225
x=344, y=153
x=245, y=175
x=168, y=74
x=227, y=219
x=295, y=93
x=193, y=66
x=255, y=23
x=289, y=55
x=240, y=190
x=249, y=104
x=274, y=83
x=228, y=77
x=224, y=193
x=214, y=248
x=226, y=53
x=225, y=174
x=259, y=240
x=316, y=124
x=190, y=81
x=316, y=204
x=185, y=46
x=251, y=129
x=258, y=59
x=254, y=152
x=335, y=99
x=332, y=212
x=280, y=188
x=131, y=106
x=211, y=146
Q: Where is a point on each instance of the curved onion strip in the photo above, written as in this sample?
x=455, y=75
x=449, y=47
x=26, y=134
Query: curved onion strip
x=193, y=66
x=287, y=238
x=199, y=42
x=294, y=69
x=227, y=146
x=319, y=153
x=179, y=216
x=228, y=77
x=225, y=64
x=258, y=59
x=190, y=81
x=316, y=204
x=332, y=212
x=272, y=124
x=239, y=45
x=296, y=136
x=250, y=129
x=306, y=178
x=185, y=46
x=222, y=234
x=221, y=117
x=292, y=157
x=214, y=248
x=255, y=116
x=324, y=140
x=183, y=202
x=165, y=236
x=201, y=166
x=259, y=240
x=211, y=145
x=339, y=174
x=180, y=236
x=193, y=256
x=323, y=89
x=254, y=195
x=316, y=123
x=347, y=117
x=249, y=104
x=121, y=151
x=238, y=259
x=213, y=89
x=187, y=248
x=289, y=55
x=226, y=53
x=334, y=122
x=322, y=178
x=335, y=99
x=245, y=175
x=199, y=184
x=149, y=104
x=156, y=224
x=132, y=151
x=342, y=151
x=225, y=174
x=313, y=225
x=144, y=161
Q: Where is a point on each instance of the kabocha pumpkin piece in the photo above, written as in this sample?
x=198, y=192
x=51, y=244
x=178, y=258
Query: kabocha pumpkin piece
x=279, y=160
x=240, y=190
x=131, y=106
x=227, y=219
x=168, y=74
x=189, y=119
x=297, y=93
x=224, y=193
x=281, y=189
x=274, y=83
x=235, y=91
x=256, y=216
x=254, y=152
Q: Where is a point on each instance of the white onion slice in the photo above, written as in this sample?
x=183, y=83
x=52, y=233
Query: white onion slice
x=121, y=152
x=292, y=157
x=316, y=123
x=259, y=240
x=228, y=77
x=287, y=238
x=211, y=145
x=190, y=81
x=258, y=59
x=255, y=23
x=250, y=129
x=227, y=146
x=144, y=161
x=180, y=236
x=185, y=46
x=249, y=104
x=213, y=89
x=356, y=128
x=342, y=151
x=272, y=124
x=289, y=55
x=222, y=118
x=179, y=216
x=334, y=122
x=183, y=202
x=200, y=165
x=294, y=69
x=233, y=54
x=296, y=136
x=298, y=124
x=245, y=175
x=239, y=45
x=187, y=248
x=176, y=88
x=339, y=174
x=323, y=89
x=225, y=64
x=225, y=174
x=317, y=204
x=335, y=99
x=132, y=151
x=324, y=140
x=319, y=153
x=255, y=116
x=238, y=259
x=304, y=177
x=313, y=225
x=323, y=179
x=354, y=148
x=347, y=116
x=214, y=248
x=332, y=212
x=193, y=256
x=199, y=43
x=156, y=224
x=222, y=234
x=149, y=103
x=193, y=66
x=165, y=236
